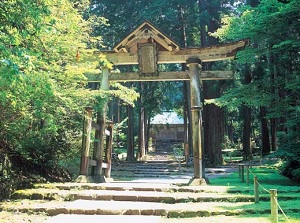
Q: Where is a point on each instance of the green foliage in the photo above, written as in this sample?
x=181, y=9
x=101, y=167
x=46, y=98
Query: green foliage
x=291, y=169
x=272, y=59
x=45, y=52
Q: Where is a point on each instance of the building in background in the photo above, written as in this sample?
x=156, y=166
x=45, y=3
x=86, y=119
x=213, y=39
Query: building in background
x=167, y=126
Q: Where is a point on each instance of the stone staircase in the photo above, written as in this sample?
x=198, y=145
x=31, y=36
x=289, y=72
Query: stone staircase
x=153, y=191
x=159, y=163
x=135, y=200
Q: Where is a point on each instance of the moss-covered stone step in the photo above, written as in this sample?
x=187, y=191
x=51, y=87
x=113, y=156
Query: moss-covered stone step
x=178, y=210
x=114, y=195
x=74, y=218
x=126, y=186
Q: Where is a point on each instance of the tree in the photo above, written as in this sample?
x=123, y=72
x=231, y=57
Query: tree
x=274, y=46
x=44, y=57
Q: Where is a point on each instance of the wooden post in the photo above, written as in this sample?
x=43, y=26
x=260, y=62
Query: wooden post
x=256, y=192
x=196, y=122
x=274, y=207
x=101, y=121
x=108, y=152
x=243, y=173
x=86, y=138
x=247, y=174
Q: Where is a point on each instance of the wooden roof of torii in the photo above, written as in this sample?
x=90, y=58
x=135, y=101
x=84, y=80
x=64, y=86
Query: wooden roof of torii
x=146, y=32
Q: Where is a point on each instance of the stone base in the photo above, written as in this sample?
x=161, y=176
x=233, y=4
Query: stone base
x=102, y=179
x=197, y=182
x=84, y=179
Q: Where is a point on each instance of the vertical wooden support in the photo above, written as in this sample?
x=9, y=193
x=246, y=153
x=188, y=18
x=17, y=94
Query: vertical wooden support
x=108, y=151
x=247, y=174
x=99, y=136
x=86, y=138
x=85, y=150
x=243, y=173
x=274, y=207
x=196, y=122
x=256, y=192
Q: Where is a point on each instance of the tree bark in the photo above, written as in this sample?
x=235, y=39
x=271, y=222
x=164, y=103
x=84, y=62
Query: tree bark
x=141, y=130
x=246, y=112
x=130, y=134
x=188, y=151
x=214, y=127
x=274, y=90
x=265, y=138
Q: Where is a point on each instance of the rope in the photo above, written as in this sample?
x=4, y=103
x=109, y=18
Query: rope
x=263, y=187
x=281, y=210
x=251, y=172
x=274, y=197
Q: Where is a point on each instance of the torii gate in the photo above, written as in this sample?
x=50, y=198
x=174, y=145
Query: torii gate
x=147, y=47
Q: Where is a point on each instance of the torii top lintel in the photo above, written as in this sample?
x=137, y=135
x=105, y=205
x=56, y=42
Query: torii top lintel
x=167, y=50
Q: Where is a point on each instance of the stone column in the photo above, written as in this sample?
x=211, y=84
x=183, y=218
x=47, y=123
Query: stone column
x=194, y=65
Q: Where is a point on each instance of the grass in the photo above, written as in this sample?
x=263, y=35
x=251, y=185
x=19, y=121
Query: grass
x=268, y=178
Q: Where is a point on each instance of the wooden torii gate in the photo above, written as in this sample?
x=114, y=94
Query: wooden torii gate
x=147, y=47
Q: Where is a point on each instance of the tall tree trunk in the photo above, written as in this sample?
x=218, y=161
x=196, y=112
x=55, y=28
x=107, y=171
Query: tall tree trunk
x=265, y=138
x=246, y=112
x=146, y=136
x=141, y=130
x=213, y=125
x=202, y=5
x=274, y=91
x=187, y=140
x=130, y=134
x=229, y=129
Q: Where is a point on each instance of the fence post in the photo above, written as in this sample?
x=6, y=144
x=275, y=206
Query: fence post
x=247, y=174
x=256, y=193
x=243, y=173
x=274, y=207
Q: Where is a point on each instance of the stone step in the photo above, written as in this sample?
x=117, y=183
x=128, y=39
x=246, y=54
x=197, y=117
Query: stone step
x=177, y=210
x=74, y=218
x=156, y=186
x=144, y=169
x=141, y=196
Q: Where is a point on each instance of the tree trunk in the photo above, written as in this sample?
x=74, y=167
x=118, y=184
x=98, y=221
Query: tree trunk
x=274, y=92
x=130, y=134
x=246, y=112
x=186, y=95
x=213, y=126
x=265, y=138
x=141, y=130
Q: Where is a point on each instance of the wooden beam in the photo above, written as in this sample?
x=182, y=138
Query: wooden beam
x=163, y=76
x=206, y=54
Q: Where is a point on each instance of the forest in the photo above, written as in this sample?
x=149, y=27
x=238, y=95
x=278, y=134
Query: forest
x=46, y=65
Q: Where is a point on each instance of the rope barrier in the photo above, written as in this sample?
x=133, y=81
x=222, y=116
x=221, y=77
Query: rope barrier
x=263, y=187
x=269, y=192
x=282, y=211
x=252, y=173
